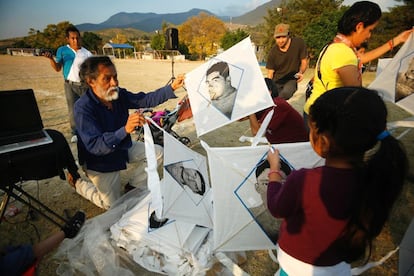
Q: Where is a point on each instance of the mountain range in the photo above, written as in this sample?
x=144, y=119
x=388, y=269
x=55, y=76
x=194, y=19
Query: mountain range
x=150, y=22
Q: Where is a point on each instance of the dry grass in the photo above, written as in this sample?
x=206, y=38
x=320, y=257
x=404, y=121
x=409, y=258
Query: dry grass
x=36, y=73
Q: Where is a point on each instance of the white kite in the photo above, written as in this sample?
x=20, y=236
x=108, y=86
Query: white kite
x=184, y=197
x=176, y=242
x=396, y=79
x=226, y=88
x=186, y=188
x=241, y=221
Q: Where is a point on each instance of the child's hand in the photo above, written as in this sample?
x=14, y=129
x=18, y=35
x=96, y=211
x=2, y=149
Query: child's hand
x=274, y=159
x=275, y=174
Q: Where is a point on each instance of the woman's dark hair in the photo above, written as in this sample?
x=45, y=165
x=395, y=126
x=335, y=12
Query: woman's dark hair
x=89, y=68
x=364, y=11
x=353, y=118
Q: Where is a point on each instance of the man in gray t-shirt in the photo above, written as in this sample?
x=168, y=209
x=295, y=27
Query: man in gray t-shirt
x=287, y=61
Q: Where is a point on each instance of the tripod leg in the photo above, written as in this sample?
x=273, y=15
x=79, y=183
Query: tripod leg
x=170, y=80
x=172, y=70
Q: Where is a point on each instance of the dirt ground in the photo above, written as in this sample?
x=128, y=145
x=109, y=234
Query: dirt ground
x=138, y=75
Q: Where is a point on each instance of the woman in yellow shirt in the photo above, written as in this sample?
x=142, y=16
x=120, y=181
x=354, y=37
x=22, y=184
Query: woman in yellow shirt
x=340, y=65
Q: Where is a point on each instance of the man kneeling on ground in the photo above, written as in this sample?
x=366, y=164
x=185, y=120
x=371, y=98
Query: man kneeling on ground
x=104, y=126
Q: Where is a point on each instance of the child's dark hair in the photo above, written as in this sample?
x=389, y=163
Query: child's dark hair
x=366, y=12
x=355, y=120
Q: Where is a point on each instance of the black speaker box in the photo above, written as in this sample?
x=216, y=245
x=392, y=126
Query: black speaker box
x=171, y=39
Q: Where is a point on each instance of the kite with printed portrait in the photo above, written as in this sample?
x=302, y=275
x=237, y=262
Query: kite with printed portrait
x=227, y=88
x=186, y=189
x=241, y=219
x=396, y=79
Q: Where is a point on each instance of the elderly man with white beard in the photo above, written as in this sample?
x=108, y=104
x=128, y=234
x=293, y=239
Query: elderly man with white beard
x=104, y=125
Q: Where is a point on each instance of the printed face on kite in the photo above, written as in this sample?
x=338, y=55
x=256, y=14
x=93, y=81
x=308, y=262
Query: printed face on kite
x=189, y=177
x=405, y=80
x=193, y=179
x=216, y=84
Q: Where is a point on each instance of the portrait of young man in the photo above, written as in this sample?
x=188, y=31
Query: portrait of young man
x=190, y=179
x=222, y=93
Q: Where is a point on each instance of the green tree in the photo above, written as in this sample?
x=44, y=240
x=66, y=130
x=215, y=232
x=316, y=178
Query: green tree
x=52, y=36
x=231, y=38
x=158, y=42
x=202, y=34
x=91, y=41
x=298, y=12
x=30, y=40
x=183, y=49
x=321, y=31
x=21, y=44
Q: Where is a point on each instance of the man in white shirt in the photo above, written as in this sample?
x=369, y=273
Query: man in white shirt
x=70, y=57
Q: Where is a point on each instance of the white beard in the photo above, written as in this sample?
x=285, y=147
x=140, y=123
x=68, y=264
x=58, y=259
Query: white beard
x=114, y=96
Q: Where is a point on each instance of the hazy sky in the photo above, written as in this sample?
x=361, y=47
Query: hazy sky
x=18, y=16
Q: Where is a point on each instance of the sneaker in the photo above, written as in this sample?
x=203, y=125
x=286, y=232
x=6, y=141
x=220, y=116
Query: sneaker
x=72, y=226
x=74, y=139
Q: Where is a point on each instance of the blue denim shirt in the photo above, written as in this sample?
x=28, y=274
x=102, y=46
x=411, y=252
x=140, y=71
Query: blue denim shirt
x=102, y=140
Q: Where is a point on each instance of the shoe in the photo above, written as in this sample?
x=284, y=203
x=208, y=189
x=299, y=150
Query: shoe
x=74, y=139
x=72, y=227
